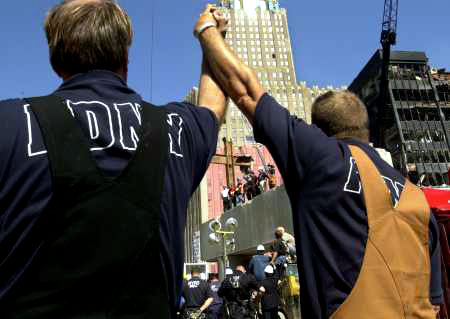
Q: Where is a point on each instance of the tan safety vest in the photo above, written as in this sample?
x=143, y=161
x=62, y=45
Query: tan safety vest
x=394, y=281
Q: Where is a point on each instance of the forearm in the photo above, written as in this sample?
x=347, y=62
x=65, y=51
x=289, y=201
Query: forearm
x=237, y=79
x=207, y=303
x=210, y=95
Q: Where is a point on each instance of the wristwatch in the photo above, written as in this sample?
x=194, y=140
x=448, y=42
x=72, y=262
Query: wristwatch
x=203, y=27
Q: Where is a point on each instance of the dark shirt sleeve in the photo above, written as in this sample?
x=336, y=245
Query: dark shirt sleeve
x=436, y=294
x=295, y=146
x=222, y=289
x=183, y=293
x=196, y=135
x=253, y=283
x=208, y=291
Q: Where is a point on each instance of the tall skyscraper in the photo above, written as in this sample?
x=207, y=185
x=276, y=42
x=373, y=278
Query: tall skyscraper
x=258, y=33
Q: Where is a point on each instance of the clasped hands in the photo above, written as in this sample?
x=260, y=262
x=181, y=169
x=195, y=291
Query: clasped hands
x=211, y=16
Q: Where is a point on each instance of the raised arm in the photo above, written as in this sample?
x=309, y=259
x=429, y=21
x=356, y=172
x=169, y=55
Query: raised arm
x=233, y=76
x=210, y=95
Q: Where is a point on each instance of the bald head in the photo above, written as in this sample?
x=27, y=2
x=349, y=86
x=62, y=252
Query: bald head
x=240, y=268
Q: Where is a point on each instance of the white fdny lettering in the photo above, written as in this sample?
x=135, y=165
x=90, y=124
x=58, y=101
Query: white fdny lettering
x=353, y=184
x=32, y=150
x=193, y=283
x=93, y=113
x=108, y=126
x=176, y=124
x=129, y=140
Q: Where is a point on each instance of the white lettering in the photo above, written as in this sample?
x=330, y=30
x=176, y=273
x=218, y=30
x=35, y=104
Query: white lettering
x=353, y=185
x=175, y=121
x=31, y=152
x=94, y=110
x=131, y=140
x=93, y=129
x=193, y=283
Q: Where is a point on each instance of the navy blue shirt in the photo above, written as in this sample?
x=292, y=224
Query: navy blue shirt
x=109, y=113
x=215, y=285
x=330, y=219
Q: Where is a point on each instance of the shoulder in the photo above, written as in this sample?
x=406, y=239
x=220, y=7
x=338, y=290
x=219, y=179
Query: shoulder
x=192, y=123
x=12, y=107
x=15, y=118
x=384, y=167
x=189, y=111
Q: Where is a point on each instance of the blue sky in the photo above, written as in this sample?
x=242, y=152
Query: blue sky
x=331, y=40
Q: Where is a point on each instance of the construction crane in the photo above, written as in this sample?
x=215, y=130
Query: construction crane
x=388, y=39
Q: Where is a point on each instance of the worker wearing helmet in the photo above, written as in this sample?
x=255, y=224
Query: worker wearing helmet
x=258, y=263
x=270, y=296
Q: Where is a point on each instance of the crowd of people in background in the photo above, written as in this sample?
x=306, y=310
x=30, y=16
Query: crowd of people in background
x=245, y=292
x=249, y=186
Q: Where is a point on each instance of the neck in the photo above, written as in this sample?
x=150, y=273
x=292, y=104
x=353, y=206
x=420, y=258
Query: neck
x=122, y=72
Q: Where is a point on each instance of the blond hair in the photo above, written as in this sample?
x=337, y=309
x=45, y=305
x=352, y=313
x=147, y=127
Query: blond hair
x=341, y=114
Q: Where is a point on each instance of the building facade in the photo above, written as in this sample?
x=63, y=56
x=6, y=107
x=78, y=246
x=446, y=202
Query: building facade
x=258, y=33
x=414, y=122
